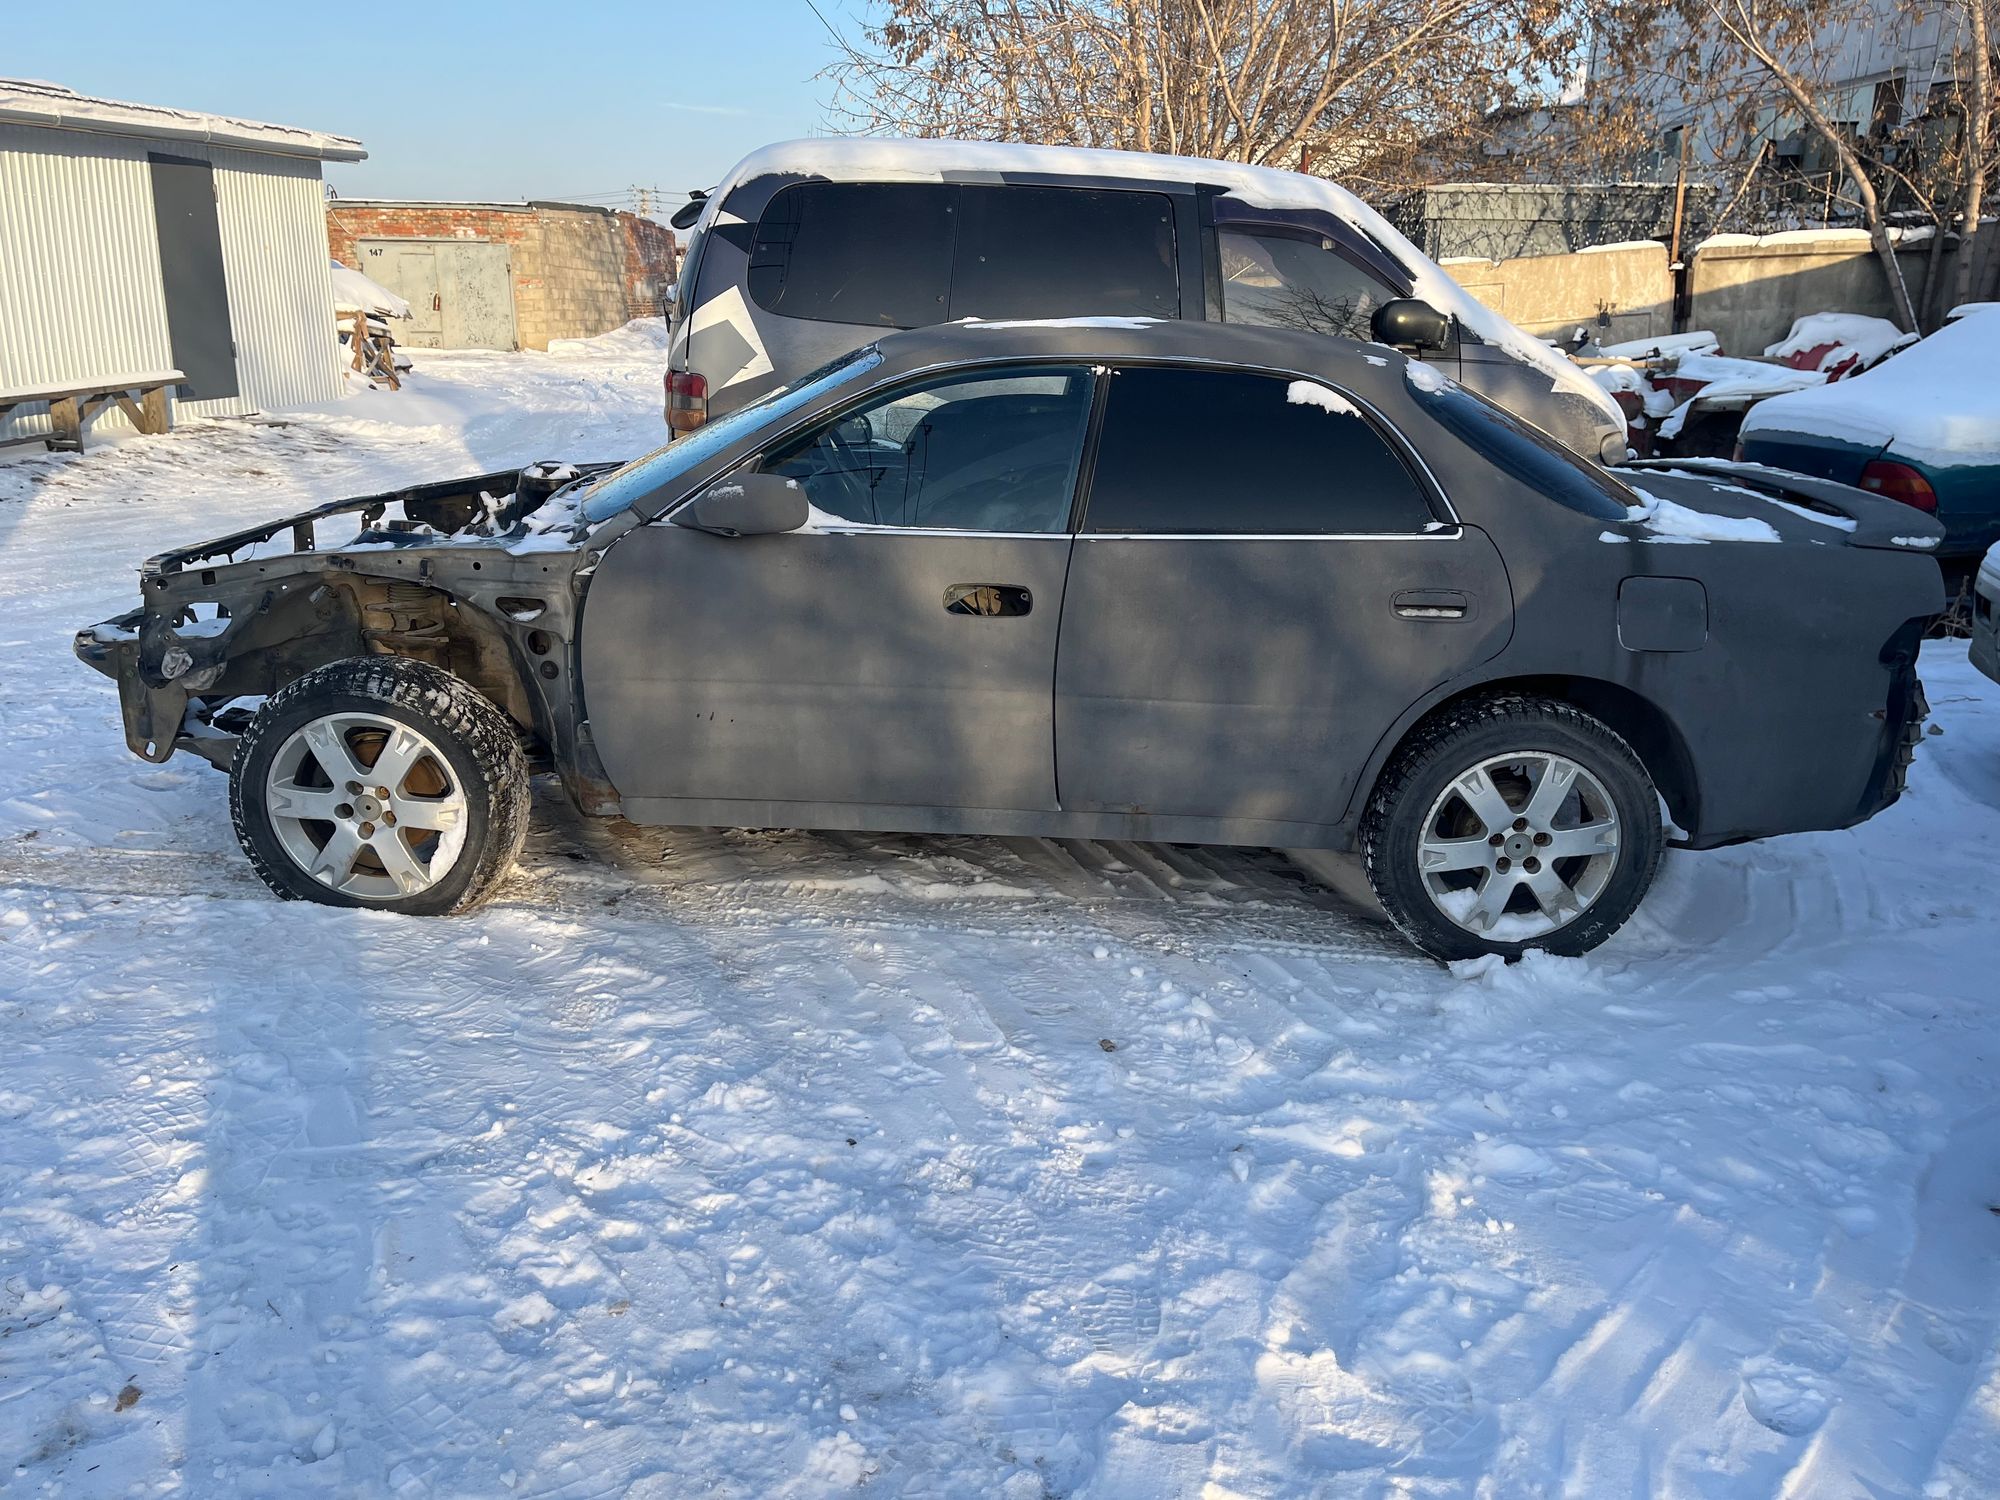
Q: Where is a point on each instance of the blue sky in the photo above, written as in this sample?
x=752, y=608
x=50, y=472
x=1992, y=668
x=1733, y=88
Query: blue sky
x=503, y=100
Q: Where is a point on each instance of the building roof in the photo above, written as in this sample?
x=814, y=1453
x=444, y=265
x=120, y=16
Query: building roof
x=28, y=101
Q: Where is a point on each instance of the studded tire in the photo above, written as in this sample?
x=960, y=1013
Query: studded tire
x=1465, y=736
x=481, y=745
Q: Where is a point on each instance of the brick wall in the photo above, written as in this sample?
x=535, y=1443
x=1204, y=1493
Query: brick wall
x=652, y=260
x=577, y=272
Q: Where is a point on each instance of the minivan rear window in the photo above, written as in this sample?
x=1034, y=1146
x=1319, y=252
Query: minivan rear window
x=907, y=255
x=873, y=253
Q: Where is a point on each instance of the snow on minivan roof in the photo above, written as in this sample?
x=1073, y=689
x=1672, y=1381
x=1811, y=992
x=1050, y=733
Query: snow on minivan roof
x=864, y=159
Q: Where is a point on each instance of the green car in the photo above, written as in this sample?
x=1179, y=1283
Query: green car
x=1922, y=428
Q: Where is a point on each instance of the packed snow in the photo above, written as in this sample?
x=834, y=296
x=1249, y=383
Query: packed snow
x=1842, y=337
x=1669, y=521
x=1312, y=393
x=354, y=292
x=1730, y=381
x=1695, y=341
x=764, y=1163
x=1937, y=402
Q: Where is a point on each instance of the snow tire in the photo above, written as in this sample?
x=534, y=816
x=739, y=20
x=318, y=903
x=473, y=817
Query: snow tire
x=480, y=743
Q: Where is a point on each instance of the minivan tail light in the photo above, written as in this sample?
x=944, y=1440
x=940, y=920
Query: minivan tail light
x=1896, y=481
x=687, y=400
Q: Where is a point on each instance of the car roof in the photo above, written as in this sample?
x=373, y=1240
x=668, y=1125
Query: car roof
x=1363, y=367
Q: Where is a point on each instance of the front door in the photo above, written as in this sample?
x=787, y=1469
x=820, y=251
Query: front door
x=461, y=292
x=898, y=655
x=193, y=277
x=1245, y=617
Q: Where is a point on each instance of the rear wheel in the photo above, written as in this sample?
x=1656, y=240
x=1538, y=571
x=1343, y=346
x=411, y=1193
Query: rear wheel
x=380, y=782
x=1509, y=824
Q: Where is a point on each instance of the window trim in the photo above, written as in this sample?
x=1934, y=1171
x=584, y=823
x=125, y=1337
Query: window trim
x=1447, y=524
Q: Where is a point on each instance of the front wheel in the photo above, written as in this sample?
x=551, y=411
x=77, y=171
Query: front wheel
x=1512, y=823
x=380, y=782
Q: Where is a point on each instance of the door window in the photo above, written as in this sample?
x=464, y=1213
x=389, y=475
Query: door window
x=1054, y=252
x=1229, y=452
x=1282, y=282
x=873, y=253
x=992, y=452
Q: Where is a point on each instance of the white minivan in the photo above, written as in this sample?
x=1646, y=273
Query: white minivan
x=809, y=249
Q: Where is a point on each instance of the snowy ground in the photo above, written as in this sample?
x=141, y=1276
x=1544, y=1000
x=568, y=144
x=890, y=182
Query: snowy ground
x=771, y=1164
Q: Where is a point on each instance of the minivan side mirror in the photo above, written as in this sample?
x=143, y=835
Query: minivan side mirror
x=746, y=505
x=1411, y=323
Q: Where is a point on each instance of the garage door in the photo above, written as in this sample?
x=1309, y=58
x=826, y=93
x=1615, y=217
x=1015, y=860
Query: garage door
x=461, y=292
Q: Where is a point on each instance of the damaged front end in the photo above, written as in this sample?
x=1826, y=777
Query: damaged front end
x=476, y=575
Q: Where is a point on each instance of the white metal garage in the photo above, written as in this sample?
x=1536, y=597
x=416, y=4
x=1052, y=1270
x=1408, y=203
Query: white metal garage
x=139, y=238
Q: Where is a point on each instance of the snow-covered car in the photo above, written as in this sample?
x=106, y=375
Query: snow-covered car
x=812, y=248
x=1922, y=428
x=990, y=579
x=1986, y=614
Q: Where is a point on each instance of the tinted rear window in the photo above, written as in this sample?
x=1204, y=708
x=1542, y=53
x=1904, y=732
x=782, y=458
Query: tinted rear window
x=906, y=255
x=1052, y=252
x=877, y=254
x=1538, y=461
x=1229, y=452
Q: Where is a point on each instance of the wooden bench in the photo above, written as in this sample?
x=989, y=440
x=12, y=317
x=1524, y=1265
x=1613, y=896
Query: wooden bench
x=71, y=406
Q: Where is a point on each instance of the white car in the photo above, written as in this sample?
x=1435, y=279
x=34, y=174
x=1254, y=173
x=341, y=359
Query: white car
x=1986, y=614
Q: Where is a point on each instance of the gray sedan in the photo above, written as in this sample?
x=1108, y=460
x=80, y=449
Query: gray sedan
x=1173, y=581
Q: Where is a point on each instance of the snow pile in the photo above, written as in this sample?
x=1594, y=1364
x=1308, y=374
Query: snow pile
x=1739, y=381
x=1836, y=339
x=639, y=339
x=1695, y=341
x=354, y=292
x=1937, y=402
x=1669, y=521
x=1312, y=393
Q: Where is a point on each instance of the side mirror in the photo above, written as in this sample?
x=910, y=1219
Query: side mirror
x=746, y=505
x=1411, y=323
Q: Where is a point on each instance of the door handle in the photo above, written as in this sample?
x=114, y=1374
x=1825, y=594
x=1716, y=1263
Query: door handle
x=437, y=301
x=1432, y=604
x=996, y=599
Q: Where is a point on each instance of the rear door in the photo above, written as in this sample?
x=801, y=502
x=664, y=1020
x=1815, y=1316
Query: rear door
x=1254, y=599
x=899, y=653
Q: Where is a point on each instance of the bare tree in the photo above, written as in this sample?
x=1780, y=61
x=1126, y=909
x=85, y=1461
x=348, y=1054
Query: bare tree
x=1331, y=84
x=1729, y=66
x=1977, y=150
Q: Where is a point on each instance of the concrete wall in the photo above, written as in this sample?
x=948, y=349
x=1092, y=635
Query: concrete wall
x=1746, y=290
x=1617, y=292
x=575, y=269
x=1750, y=289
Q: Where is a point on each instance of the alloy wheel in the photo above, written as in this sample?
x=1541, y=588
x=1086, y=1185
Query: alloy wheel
x=1519, y=845
x=366, y=806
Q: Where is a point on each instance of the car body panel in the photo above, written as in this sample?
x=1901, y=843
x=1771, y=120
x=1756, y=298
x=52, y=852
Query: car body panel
x=824, y=667
x=1985, y=649
x=1160, y=709
x=1794, y=709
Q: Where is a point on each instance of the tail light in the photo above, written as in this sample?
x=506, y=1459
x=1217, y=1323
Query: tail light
x=687, y=400
x=1896, y=481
